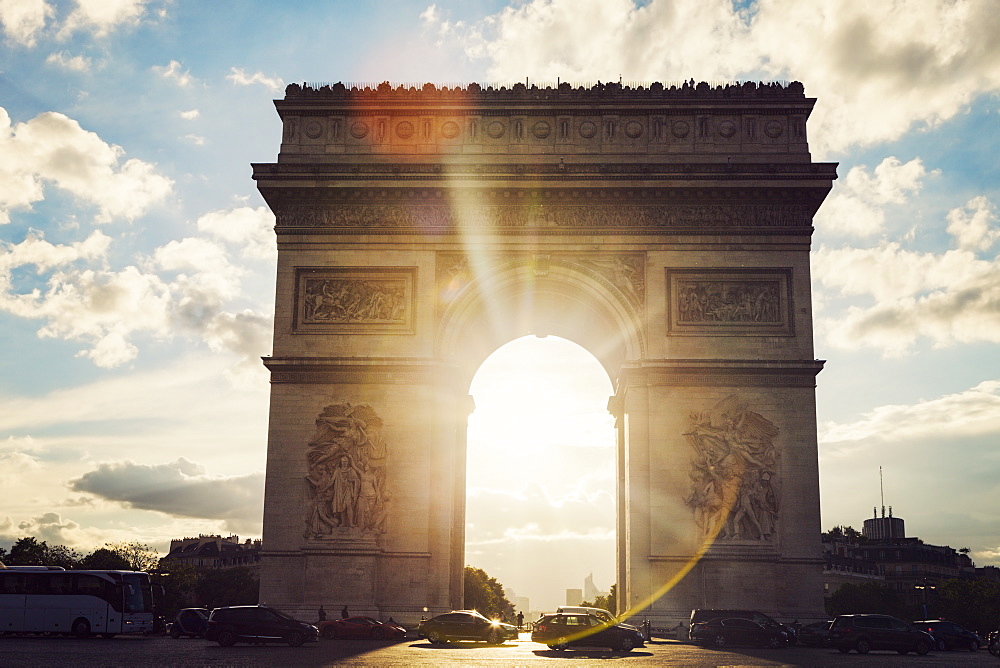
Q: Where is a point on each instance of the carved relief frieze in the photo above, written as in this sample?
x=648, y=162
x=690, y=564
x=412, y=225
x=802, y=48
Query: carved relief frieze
x=364, y=300
x=735, y=487
x=346, y=481
x=729, y=301
x=569, y=216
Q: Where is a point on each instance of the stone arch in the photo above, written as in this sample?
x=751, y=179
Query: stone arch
x=515, y=299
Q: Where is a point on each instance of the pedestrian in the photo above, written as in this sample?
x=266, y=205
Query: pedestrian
x=322, y=614
x=520, y=620
x=343, y=613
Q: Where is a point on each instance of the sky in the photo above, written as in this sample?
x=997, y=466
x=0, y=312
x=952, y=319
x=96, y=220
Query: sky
x=137, y=259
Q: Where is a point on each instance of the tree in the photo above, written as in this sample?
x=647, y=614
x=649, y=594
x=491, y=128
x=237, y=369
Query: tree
x=179, y=582
x=974, y=604
x=29, y=551
x=606, y=602
x=228, y=586
x=869, y=597
x=485, y=594
x=103, y=559
x=844, y=533
x=138, y=556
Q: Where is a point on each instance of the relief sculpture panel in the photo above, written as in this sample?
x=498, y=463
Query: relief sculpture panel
x=361, y=300
x=734, y=472
x=346, y=483
x=729, y=301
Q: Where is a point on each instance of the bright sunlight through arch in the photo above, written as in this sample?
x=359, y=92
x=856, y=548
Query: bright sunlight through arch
x=541, y=470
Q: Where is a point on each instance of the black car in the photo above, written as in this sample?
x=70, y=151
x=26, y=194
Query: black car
x=738, y=631
x=465, y=625
x=699, y=615
x=865, y=633
x=816, y=634
x=949, y=635
x=563, y=630
x=190, y=622
x=257, y=624
x=993, y=643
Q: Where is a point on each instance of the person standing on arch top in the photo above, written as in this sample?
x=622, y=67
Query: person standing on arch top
x=343, y=613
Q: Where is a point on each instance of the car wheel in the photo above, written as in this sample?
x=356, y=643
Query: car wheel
x=175, y=632
x=973, y=646
x=81, y=628
x=941, y=645
x=774, y=642
x=719, y=640
x=922, y=647
x=435, y=637
x=296, y=640
x=227, y=638
x=863, y=646
x=378, y=633
x=495, y=637
x=626, y=644
x=329, y=632
x=560, y=645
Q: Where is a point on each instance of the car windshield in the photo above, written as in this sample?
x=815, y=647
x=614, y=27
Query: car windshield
x=281, y=614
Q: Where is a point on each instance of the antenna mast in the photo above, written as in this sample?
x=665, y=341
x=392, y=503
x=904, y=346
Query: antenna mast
x=881, y=489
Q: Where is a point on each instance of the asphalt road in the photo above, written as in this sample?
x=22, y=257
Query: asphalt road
x=164, y=651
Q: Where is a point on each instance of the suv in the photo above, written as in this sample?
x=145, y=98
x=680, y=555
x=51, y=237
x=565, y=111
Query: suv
x=867, y=632
x=701, y=615
x=257, y=624
x=949, y=635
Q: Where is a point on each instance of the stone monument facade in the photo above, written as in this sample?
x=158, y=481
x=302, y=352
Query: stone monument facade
x=665, y=228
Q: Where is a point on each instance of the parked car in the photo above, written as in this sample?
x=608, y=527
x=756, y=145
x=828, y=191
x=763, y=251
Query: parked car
x=360, y=627
x=257, y=624
x=190, y=622
x=864, y=633
x=699, y=615
x=949, y=635
x=562, y=630
x=728, y=631
x=600, y=613
x=816, y=634
x=466, y=625
x=993, y=643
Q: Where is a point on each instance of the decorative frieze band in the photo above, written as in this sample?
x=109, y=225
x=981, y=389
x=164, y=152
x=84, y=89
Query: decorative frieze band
x=449, y=218
x=730, y=302
x=724, y=373
x=359, y=300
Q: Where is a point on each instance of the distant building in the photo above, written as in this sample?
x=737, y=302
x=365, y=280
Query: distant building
x=885, y=555
x=215, y=552
x=574, y=596
x=590, y=592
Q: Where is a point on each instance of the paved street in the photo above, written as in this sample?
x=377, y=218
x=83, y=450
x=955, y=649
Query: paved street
x=164, y=651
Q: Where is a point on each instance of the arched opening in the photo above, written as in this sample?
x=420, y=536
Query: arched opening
x=540, y=514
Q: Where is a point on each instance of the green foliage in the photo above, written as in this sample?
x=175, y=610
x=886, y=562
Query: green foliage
x=869, y=597
x=228, y=586
x=179, y=582
x=138, y=556
x=974, y=604
x=29, y=551
x=609, y=602
x=844, y=533
x=485, y=594
x=103, y=559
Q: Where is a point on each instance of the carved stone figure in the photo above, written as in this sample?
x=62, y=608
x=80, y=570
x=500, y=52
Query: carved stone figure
x=733, y=493
x=729, y=301
x=346, y=481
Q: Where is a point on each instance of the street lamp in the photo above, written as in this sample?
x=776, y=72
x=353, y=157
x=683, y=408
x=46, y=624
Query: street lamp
x=924, y=586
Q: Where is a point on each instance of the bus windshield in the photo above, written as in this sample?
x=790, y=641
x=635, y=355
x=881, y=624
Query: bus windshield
x=138, y=592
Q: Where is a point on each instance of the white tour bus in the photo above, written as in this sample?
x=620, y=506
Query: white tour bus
x=50, y=599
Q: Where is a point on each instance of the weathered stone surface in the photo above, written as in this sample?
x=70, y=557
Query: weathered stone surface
x=665, y=229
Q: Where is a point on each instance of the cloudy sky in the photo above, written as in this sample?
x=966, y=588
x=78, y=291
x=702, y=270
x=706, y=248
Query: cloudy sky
x=137, y=261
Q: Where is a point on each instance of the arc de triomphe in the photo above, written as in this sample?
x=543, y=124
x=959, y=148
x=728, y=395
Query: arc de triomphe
x=665, y=229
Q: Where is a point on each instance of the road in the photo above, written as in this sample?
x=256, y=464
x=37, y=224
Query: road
x=163, y=651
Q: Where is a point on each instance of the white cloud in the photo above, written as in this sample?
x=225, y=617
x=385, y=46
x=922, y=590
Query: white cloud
x=197, y=140
x=179, y=488
x=182, y=291
x=877, y=68
x=172, y=72
x=67, y=62
x=102, y=17
x=52, y=148
x=970, y=413
x=855, y=207
x=190, y=114
x=240, y=78
x=974, y=225
x=22, y=20
x=951, y=297
x=252, y=229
